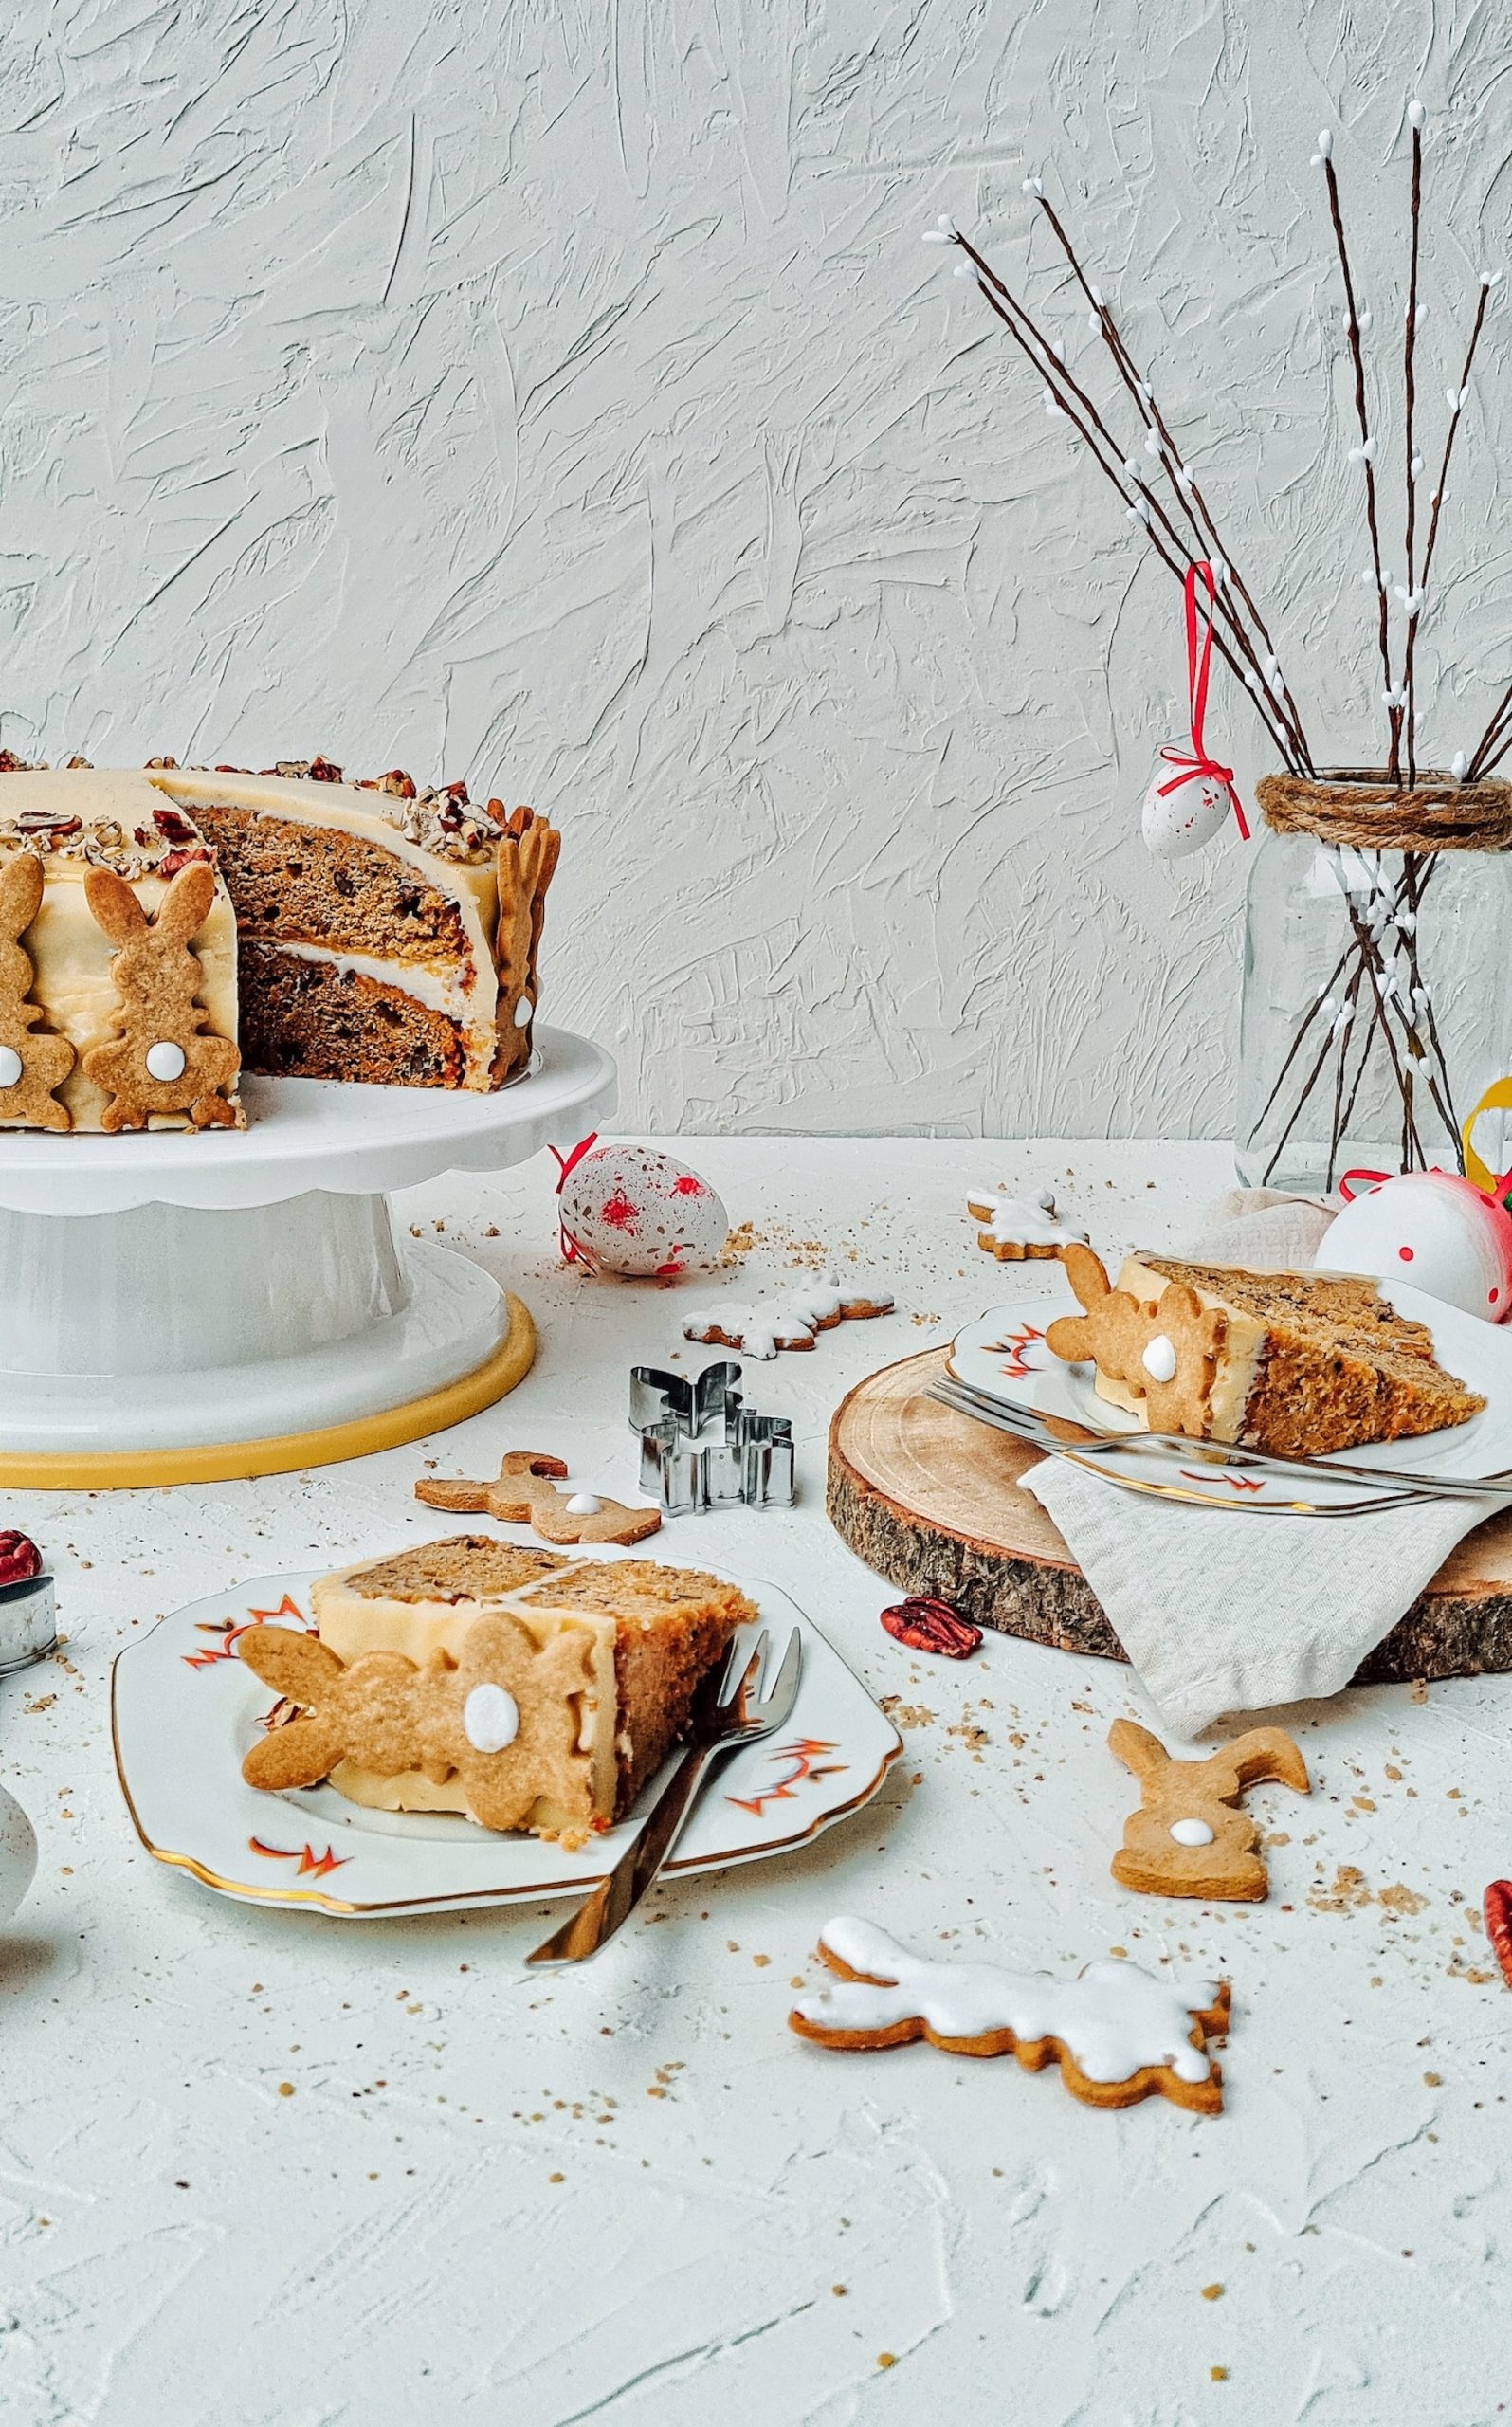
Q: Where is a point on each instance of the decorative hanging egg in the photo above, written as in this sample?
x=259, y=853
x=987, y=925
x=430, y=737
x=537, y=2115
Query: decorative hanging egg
x=18, y=1855
x=1181, y=821
x=630, y=1210
x=1434, y=1229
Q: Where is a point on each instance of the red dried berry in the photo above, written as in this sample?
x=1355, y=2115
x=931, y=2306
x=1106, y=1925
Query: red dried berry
x=20, y=1558
x=1497, y=1907
x=927, y=1625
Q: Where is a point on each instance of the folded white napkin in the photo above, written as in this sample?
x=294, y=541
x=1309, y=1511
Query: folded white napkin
x=1221, y=1612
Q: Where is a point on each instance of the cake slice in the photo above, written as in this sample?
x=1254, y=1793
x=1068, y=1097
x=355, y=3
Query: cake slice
x=1297, y=1363
x=525, y=1687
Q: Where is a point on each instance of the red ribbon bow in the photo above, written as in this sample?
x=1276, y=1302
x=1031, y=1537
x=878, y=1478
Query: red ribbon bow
x=573, y=1249
x=1195, y=766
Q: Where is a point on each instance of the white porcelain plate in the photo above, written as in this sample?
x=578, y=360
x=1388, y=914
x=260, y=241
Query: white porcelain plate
x=1004, y=1356
x=184, y=1711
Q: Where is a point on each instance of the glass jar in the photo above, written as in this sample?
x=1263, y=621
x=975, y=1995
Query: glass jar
x=1377, y=977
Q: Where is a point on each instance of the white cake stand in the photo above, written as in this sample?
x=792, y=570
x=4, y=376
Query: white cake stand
x=178, y=1310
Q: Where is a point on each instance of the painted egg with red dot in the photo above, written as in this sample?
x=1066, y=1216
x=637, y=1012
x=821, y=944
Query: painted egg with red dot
x=1180, y=813
x=1441, y=1234
x=633, y=1210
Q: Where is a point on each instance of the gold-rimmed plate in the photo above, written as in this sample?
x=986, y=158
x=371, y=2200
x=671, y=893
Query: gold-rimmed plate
x=184, y=1711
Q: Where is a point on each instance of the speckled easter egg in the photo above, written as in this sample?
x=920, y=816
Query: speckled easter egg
x=1182, y=820
x=630, y=1209
x=1433, y=1228
x=18, y=1855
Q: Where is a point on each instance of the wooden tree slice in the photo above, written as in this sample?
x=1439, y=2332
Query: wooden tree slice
x=931, y=1501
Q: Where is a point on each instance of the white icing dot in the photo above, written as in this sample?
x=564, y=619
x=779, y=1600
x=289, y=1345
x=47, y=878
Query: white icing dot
x=165, y=1062
x=1160, y=1358
x=11, y=1066
x=490, y=1719
x=1191, y=1832
x=583, y=1504
x=522, y=1011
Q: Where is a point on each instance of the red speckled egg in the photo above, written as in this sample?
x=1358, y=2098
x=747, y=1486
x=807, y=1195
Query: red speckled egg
x=630, y=1210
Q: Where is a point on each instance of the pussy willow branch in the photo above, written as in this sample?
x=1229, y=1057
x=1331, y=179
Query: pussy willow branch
x=1186, y=490
x=1436, y=510
x=1362, y=417
x=1090, y=427
x=1410, y=389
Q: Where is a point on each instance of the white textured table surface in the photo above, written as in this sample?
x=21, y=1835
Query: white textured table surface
x=629, y=2194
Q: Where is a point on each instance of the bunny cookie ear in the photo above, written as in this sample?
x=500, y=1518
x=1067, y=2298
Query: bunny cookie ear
x=114, y=906
x=302, y=1669
x=186, y=905
x=20, y=894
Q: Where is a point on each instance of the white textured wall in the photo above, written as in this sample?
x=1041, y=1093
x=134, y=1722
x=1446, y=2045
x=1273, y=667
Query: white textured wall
x=555, y=390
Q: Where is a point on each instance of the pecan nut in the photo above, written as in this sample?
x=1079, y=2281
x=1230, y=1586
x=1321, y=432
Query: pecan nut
x=1498, y=1911
x=927, y=1625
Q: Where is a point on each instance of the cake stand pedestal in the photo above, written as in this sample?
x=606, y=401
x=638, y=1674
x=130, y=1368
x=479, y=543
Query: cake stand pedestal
x=182, y=1310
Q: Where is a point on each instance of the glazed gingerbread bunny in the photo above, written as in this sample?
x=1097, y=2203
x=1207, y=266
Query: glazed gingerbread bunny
x=32, y=1066
x=503, y=1717
x=1165, y=1350
x=1188, y=1838
x=524, y=1494
x=160, y=1063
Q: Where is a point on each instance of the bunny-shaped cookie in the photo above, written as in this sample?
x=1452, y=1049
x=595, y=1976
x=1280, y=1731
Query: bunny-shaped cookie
x=503, y=1717
x=1188, y=1838
x=160, y=1063
x=525, y=861
x=526, y=1495
x=1165, y=1350
x=31, y=1066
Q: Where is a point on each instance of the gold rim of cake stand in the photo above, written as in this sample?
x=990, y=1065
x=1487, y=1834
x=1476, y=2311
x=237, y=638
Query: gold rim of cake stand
x=280, y=1454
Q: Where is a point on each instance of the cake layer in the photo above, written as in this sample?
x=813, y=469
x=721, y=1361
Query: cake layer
x=305, y=1017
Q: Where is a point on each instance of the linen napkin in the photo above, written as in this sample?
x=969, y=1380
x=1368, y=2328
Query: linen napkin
x=1221, y=1612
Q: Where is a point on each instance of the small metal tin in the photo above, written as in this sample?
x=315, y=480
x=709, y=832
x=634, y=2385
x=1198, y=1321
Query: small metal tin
x=703, y=1447
x=28, y=1628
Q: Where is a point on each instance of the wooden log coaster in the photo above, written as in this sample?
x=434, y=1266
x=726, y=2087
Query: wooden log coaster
x=931, y=1501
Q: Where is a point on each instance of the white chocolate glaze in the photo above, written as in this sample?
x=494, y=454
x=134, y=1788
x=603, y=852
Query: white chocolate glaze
x=1012, y=1221
x=1160, y=1358
x=790, y=1320
x=490, y=1719
x=1112, y=2021
x=1191, y=1832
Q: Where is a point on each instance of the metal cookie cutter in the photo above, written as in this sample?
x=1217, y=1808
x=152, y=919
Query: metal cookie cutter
x=703, y=1447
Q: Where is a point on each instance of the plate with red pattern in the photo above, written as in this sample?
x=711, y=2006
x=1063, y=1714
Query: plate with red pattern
x=184, y=1711
x=1003, y=1356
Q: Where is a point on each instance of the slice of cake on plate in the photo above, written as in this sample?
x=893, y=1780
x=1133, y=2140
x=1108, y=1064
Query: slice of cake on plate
x=523, y=1687
x=1296, y=1364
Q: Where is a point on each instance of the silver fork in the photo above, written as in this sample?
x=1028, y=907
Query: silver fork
x=1091, y=1453
x=1031, y=1424
x=725, y=1717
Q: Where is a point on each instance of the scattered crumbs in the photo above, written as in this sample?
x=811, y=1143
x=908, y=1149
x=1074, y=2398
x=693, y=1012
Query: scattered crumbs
x=1398, y=1899
x=1420, y=1689
x=556, y=2178
x=760, y=1960
x=796, y=1981
x=886, y=2359
x=907, y=1714
x=285, y=2089
x=1434, y=2081
x=732, y=1947
x=839, y=2290
x=1213, y=2291
x=1219, y=2376
x=1394, y=1773
x=1362, y=1804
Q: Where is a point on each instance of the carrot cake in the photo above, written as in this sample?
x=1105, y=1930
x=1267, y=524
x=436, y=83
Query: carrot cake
x=1296, y=1364
x=527, y=1688
x=367, y=931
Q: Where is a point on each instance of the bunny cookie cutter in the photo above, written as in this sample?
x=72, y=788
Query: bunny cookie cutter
x=160, y=1063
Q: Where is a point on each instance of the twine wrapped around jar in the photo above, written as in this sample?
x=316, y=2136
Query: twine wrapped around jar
x=1358, y=807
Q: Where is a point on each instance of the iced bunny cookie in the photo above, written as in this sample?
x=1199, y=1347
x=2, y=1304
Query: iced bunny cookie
x=1165, y=1353
x=1117, y=2033
x=791, y=1320
x=1188, y=1837
x=503, y=1718
x=160, y=1063
x=31, y=1065
x=525, y=1493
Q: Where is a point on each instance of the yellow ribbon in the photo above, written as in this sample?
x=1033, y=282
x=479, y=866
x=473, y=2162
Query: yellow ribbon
x=1497, y=1098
